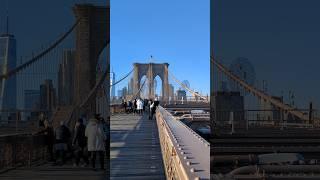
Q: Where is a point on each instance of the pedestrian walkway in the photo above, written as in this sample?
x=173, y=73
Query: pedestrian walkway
x=49, y=172
x=135, y=149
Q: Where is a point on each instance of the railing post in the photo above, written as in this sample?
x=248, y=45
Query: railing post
x=17, y=120
x=232, y=122
x=29, y=156
x=247, y=121
x=310, y=113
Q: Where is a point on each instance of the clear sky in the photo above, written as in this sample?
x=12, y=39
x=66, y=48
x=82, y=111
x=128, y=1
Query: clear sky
x=281, y=39
x=176, y=32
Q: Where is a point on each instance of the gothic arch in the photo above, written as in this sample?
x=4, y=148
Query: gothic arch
x=151, y=70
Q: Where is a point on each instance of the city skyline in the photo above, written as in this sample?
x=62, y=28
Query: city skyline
x=31, y=40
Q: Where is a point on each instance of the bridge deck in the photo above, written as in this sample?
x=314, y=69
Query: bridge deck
x=135, y=148
x=49, y=172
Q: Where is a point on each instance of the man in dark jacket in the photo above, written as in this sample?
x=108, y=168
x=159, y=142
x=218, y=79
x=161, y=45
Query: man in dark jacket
x=48, y=134
x=62, y=135
x=79, y=143
x=130, y=107
x=150, y=107
x=124, y=105
x=154, y=106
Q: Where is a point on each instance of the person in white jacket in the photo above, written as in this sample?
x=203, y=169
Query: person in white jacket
x=96, y=141
x=140, y=106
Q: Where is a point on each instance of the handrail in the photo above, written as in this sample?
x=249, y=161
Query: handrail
x=21, y=150
x=184, y=152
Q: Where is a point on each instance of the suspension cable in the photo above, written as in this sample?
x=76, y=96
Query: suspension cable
x=104, y=86
x=94, y=89
x=185, y=87
x=40, y=55
x=258, y=92
x=139, y=89
x=122, y=78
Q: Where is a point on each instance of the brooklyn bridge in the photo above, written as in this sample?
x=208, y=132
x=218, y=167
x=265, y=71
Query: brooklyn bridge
x=70, y=79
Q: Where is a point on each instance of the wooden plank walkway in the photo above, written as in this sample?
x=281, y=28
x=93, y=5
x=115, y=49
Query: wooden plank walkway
x=49, y=172
x=135, y=151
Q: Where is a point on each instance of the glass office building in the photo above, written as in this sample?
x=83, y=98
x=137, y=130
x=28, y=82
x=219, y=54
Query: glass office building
x=8, y=90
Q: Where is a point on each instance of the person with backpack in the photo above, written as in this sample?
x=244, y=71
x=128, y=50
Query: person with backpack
x=62, y=135
x=79, y=143
x=48, y=134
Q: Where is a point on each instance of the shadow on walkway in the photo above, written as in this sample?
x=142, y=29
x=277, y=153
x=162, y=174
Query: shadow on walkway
x=135, y=151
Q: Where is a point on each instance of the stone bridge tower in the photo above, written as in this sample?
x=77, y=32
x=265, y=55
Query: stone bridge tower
x=92, y=37
x=151, y=70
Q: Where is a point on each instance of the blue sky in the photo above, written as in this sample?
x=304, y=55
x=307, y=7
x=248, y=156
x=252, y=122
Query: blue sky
x=176, y=32
x=280, y=38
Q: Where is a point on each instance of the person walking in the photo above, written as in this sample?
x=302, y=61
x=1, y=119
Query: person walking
x=148, y=104
x=139, y=106
x=79, y=143
x=151, y=109
x=129, y=107
x=124, y=105
x=106, y=130
x=48, y=133
x=154, y=105
x=84, y=119
x=145, y=104
x=41, y=120
x=135, y=106
x=62, y=135
x=156, y=102
x=96, y=141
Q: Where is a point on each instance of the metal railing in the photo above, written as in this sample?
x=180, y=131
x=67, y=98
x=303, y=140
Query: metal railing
x=185, y=154
x=21, y=120
x=116, y=108
x=21, y=150
x=175, y=100
x=266, y=118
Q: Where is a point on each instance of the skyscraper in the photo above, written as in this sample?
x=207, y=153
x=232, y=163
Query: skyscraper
x=66, y=78
x=120, y=93
x=112, y=87
x=47, y=95
x=130, y=86
x=171, y=92
x=31, y=102
x=181, y=95
x=8, y=58
x=124, y=92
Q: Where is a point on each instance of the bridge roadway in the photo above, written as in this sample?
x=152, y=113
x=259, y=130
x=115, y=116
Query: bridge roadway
x=135, y=151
